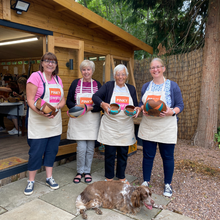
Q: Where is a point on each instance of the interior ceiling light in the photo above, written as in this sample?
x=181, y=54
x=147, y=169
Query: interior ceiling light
x=18, y=41
x=20, y=6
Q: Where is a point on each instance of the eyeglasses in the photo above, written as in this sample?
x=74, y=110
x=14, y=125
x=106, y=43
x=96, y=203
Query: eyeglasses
x=123, y=74
x=155, y=67
x=50, y=61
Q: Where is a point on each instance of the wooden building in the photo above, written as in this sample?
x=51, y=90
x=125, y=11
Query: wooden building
x=73, y=33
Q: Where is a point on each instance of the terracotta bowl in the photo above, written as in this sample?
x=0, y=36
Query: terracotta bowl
x=129, y=110
x=154, y=108
x=114, y=109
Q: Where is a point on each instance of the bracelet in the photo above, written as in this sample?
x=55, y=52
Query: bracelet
x=101, y=104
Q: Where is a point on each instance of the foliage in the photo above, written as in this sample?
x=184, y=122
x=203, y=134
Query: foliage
x=217, y=136
x=179, y=25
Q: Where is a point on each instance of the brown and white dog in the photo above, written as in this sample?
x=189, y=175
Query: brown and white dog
x=113, y=195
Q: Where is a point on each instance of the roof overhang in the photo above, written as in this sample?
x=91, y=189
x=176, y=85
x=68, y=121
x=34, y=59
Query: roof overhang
x=97, y=21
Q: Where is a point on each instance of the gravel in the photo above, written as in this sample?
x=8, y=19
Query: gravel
x=196, y=191
x=196, y=179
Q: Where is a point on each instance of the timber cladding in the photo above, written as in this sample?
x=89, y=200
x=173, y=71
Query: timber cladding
x=50, y=16
x=186, y=71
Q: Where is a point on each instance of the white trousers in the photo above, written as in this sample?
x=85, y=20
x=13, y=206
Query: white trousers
x=85, y=152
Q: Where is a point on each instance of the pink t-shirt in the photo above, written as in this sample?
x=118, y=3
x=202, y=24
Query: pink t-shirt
x=37, y=81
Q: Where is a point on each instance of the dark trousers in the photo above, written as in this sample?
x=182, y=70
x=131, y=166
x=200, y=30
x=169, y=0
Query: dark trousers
x=43, y=147
x=122, y=156
x=167, y=155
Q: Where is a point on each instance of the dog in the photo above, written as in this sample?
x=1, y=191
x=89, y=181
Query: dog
x=113, y=195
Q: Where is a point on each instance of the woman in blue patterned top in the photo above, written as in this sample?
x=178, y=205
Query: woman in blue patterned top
x=162, y=130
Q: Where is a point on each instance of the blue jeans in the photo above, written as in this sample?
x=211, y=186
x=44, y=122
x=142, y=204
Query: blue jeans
x=167, y=155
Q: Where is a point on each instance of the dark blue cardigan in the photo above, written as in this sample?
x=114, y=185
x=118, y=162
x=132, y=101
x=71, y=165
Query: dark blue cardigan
x=105, y=93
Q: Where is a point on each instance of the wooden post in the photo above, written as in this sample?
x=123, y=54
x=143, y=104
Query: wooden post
x=107, y=68
x=50, y=44
x=80, y=57
x=112, y=63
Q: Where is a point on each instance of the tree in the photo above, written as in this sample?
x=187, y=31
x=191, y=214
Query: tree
x=176, y=24
x=208, y=112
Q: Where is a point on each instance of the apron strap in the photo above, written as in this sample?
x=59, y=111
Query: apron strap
x=42, y=96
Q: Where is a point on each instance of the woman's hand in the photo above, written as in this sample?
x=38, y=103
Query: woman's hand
x=105, y=106
x=144, y=113
x=89, y=108
x=138, y=110
x=168, y=112
x=48, y=116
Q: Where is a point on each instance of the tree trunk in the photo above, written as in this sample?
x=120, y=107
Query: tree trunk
x=208, y=112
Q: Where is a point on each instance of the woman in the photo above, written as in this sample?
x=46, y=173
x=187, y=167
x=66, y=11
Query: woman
x=22, y=97
x=160, y=130
x=116, y=132
x=44, y=130
x=84, y=129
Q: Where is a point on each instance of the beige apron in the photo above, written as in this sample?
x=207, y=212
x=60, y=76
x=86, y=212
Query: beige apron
x=118, y=130
x=87, y=126
x=158, y=129
x=40, y=126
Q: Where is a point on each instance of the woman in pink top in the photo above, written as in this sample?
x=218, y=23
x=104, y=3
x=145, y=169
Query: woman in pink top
x=44, y=130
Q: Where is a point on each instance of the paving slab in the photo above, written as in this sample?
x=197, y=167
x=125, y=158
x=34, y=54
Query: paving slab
x=35, y=210
x=61, y=174
x=96, y=165
x=107, y=214
x=2, y=210
x=149, y=214
x=12, y=194
x=160, y=199
x=100, y=176
x=65, y=197
x=168, y=215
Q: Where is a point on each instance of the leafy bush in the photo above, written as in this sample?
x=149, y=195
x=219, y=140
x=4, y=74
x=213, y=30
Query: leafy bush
x=217, y=136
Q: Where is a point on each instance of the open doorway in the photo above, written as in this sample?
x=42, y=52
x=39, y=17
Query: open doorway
x=16, y=60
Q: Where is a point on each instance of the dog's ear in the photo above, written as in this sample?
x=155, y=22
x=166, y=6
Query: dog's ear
x=135, y=198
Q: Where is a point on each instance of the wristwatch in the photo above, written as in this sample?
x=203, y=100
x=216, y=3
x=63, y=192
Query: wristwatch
x=174, y=113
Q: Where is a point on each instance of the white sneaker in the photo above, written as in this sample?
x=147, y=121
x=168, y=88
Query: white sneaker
x=168, y=190
x=14, y=132
x=11, y=131
x=145, y=183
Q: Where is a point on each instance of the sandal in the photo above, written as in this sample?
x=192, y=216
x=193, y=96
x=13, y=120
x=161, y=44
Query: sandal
x=77, y=178
x=108, y=180
x=88, y=179
x=124, y=181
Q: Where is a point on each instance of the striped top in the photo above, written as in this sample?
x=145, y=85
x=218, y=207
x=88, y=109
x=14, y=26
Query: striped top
x=86, y=87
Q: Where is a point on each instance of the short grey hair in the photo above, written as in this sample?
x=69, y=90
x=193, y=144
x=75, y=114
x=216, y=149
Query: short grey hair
x=86, y=63
x=120, y=67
